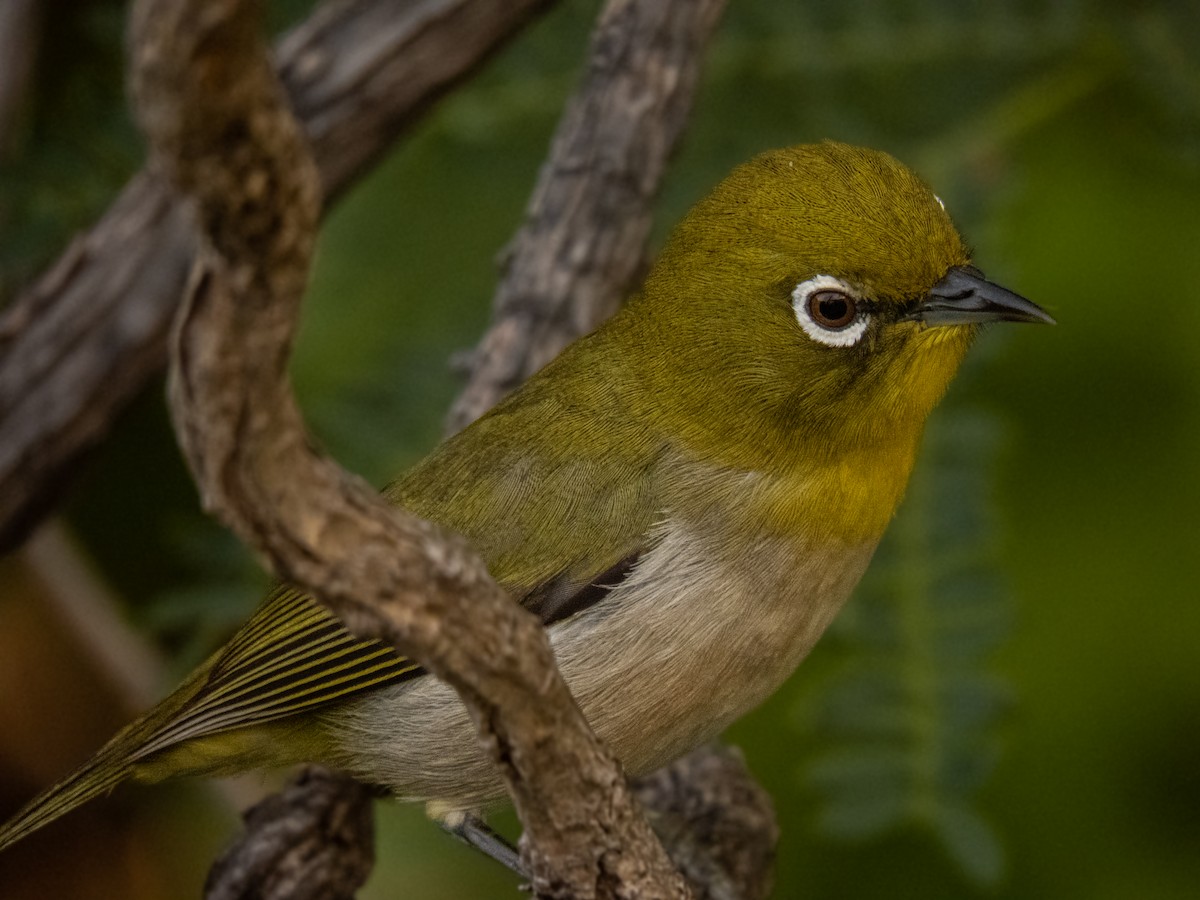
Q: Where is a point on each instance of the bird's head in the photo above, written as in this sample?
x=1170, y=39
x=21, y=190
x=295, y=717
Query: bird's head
x=820, y=299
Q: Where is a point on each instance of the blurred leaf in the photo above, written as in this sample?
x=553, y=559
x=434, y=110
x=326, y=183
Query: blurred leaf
x=971, y=841
x=218, y=588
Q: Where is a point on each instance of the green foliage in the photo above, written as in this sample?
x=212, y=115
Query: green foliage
x=76, y=146
x=218, y=592
x=904, y=724
x=77, y=143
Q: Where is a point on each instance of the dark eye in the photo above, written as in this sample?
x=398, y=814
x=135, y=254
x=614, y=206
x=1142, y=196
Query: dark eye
x=832, y=309
x=830, y=312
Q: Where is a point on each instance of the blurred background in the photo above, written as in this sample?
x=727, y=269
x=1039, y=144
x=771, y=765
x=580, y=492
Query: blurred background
x=1010, y=706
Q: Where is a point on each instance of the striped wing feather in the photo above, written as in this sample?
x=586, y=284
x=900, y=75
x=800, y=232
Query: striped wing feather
x=293, y=656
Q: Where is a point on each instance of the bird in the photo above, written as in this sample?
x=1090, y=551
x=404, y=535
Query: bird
x=685, y=498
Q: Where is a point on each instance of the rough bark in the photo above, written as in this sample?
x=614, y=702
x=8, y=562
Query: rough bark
x=577, y=198
x=582, y=246
x=79, y=343
x=716, y=823
x=314, y=841
x=220, y=128
x=386, y=573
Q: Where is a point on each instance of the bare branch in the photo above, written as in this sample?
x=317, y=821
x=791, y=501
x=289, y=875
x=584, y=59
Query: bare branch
x=219, y=124
x=581, y=248
x=313, y=841
x=717, y=823
x=358, y=74
x=81, y=341
x=583, y=196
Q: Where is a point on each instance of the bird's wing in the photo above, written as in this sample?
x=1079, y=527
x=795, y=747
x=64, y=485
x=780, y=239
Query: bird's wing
x=292, y=656
x=554, y=488
x=555, y=531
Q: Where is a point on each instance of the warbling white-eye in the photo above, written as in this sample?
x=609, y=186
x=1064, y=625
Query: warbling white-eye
x=685, y=497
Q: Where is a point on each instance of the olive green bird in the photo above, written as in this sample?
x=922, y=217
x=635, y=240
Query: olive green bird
x=686, y=497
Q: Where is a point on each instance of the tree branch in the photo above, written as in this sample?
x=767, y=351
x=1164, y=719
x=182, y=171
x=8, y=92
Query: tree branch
x=80, y=342
x=604, y=169
x=581, y=249
x=314, y=841
x=716, y=822
x=219, y=125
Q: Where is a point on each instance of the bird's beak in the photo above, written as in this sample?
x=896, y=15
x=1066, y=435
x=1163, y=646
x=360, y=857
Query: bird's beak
x=965, y=297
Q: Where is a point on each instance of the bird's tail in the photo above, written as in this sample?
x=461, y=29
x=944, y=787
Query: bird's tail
x=113, y=764
x=97, y=776
x=292, y=657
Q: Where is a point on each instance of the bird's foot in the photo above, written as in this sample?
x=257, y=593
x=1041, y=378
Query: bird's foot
x=473, y=831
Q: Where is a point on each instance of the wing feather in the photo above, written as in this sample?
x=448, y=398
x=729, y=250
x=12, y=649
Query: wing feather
x=293, y=656
x=557, y=530
x=555, y=488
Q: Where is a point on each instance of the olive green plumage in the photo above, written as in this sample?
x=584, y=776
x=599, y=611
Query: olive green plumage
x=686, y=496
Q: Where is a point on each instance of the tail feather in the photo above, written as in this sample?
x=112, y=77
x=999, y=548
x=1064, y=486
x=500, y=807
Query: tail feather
x=291, y=657
x=111, y=765
x=98, y=776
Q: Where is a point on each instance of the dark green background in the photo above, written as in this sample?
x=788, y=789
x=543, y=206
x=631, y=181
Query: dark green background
x=1065, y=139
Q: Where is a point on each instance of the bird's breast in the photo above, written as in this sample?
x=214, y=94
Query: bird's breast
x=701, y=631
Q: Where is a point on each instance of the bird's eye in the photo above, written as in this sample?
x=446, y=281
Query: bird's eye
x=830, y=311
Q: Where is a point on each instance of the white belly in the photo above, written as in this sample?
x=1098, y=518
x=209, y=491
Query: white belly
x=689, y=642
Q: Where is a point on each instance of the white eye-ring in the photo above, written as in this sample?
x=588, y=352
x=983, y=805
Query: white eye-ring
x=829, y=311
